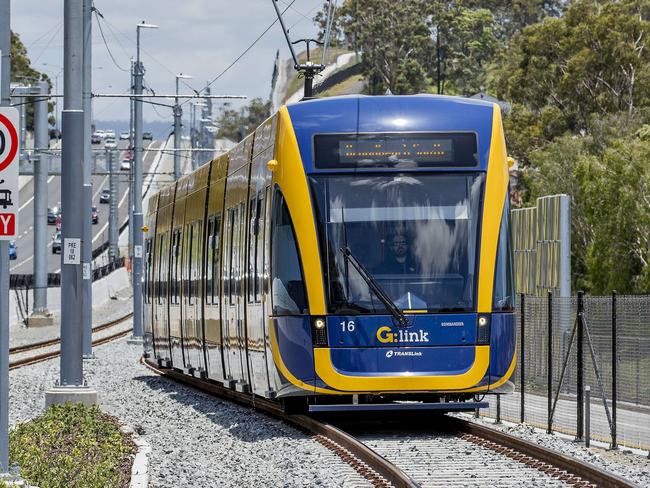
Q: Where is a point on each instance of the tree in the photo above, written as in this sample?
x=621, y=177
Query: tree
x=237, y=124
x=465, y=43
x=22, y=72
x=592, y=60
x=394, y=40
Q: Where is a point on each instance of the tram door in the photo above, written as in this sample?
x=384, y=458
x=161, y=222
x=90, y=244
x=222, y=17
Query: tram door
x=234, y=261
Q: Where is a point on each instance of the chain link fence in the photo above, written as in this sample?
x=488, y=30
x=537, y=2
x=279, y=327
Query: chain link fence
x=601, y=344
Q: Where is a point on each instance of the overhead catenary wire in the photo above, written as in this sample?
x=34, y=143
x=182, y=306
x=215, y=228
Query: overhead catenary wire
x=48, y=43
x=99, y=15
x=250, y=46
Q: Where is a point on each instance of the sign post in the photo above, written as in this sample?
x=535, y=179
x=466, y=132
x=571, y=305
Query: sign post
x=9, y=144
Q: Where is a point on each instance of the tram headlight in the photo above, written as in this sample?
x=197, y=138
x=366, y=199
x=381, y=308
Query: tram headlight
x=483, y=329
x=319, y=331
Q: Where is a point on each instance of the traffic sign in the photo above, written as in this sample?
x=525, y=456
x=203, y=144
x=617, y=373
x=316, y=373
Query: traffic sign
x=9, y=187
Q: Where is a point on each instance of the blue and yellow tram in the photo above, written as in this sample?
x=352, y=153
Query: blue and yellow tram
x=352, y=250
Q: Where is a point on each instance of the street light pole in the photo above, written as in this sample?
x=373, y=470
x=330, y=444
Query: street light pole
x=137, y=193
x=178, y=114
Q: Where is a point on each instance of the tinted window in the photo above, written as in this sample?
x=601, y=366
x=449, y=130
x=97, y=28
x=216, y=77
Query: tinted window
x=288, y=288
x=504, y=293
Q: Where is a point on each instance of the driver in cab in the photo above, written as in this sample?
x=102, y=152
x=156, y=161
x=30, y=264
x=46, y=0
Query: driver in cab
x=399, y=259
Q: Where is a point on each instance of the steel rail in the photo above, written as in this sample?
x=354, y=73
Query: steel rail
x=54, y=342
x=587, y=472
x=346, y=446
x=19, y=363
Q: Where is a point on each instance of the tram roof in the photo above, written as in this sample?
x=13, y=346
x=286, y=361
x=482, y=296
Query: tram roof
x=391, y=113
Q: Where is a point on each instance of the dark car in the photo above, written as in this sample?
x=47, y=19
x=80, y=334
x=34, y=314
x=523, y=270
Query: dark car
x=95, y=139
x=13, y=250
x=105, y=196
x=95, y=215
x=146, y=136
x=52, y=214
x=56, y=243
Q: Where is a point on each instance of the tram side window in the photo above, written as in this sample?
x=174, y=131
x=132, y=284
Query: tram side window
x=187, y=282
x=252, y=232
x=259, y=246
x=230, y=259
x=215, y=259
x=208, y=262
x=504, y=294
x=147, y=272
x=177, y=265
x=160, y=275
x=288, y=287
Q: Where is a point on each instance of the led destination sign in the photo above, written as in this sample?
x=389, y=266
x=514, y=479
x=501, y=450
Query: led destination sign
x=417, y=150
x=395, y=150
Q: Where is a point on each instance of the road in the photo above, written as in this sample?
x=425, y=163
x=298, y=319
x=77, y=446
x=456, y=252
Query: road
x=25, y=241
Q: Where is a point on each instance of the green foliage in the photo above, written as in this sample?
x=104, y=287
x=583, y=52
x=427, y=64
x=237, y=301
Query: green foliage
x=22, y=72
x=236, y=124
x=71, y=446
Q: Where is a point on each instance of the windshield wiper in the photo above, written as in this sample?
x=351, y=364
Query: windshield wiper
x=399, y=316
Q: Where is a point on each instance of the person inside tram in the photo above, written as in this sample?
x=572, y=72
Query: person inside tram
x=399, y=259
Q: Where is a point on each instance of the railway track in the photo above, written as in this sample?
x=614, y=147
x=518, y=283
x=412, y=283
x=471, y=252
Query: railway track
x=413, y=454
x=19, y=357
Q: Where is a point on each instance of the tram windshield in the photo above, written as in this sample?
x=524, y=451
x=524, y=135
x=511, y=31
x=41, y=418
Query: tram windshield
x=416, y=234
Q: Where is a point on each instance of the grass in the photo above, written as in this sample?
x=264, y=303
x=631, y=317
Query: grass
x=72, y=445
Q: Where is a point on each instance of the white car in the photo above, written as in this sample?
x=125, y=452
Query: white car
x=109, y=143
x=125, y=165
x=124, y=135
x=109, y=133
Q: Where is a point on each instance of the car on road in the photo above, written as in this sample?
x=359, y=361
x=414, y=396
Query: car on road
x=13, y=250
x=52, y=214
x=147, y=136
x=109, y=143
x=109, y=133
x=56, y=243
x=95, y=138
x=105, y=196
x=124, y=135
x=94, y=215
x=125, y=165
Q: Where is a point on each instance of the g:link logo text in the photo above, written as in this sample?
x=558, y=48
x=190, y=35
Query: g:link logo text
x=385, y=335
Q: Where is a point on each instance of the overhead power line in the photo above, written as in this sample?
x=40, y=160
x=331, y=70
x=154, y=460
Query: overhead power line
x=243, y=52
x=98, y=14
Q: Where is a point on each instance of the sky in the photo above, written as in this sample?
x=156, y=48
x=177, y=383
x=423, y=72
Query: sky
x=196, y=37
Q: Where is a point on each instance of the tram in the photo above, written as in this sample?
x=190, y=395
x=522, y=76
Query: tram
x=353, y=252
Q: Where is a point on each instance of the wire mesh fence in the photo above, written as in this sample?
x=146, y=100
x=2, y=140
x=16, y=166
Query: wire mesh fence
x=573, y=343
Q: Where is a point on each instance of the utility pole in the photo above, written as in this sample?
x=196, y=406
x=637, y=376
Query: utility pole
x=178, y=114
x=5, y=101
x=113, y=230
x=87, y=240
x=137, y=194
x=132, y=164
x=71, y=386
x=40, y=315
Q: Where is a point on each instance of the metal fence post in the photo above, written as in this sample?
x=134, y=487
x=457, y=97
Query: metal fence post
x=580, y=404
x=549, y=366
x=614, y=364
x=498, y=420
x=587, y=416
x=522, y=360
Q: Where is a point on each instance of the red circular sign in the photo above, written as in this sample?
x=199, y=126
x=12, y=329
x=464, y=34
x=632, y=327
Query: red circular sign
x=13, y=143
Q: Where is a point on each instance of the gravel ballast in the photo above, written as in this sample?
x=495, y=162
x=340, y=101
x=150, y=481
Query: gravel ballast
x=196, y=440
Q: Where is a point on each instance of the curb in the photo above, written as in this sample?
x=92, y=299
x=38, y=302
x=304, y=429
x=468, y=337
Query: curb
x=140, y=468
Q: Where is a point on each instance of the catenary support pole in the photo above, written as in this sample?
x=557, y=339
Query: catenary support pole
x=614, y=372
x=86, y=242
x=131, y=166
x=580, y=403
x=178, y=112
x=137, y=200
x=522, y=360
x=71, y=385
x=41, y=316
x=113, y=230
x=549, y=365
x=5, y=101
x=587, y=416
